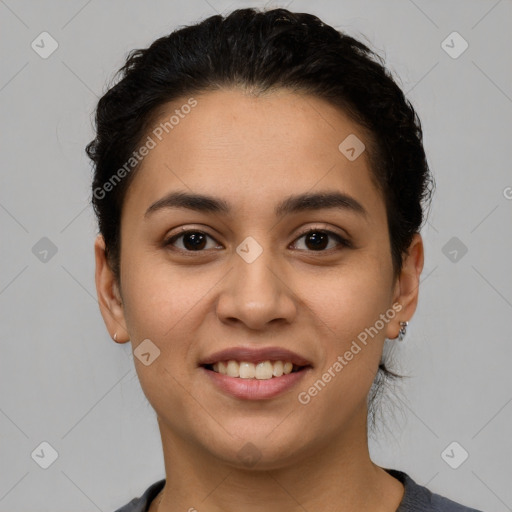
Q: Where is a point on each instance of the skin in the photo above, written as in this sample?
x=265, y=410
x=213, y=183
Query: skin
x=254, y=152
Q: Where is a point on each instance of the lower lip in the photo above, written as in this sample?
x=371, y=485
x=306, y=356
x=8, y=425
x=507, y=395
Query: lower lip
x=255, y=389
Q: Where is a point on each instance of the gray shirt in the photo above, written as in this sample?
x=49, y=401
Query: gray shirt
x=416, y=498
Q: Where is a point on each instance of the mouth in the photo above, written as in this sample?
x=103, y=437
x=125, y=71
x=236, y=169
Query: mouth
x=263, y=370
x=255, y=373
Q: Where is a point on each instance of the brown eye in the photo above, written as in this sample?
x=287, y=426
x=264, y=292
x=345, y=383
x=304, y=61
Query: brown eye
x=192, y=240
x=318, y=240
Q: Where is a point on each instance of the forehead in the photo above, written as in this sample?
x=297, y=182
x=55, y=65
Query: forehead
x=251, y=148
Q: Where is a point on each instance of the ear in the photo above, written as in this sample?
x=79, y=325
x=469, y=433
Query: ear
x=407, y=285
x=109, y=296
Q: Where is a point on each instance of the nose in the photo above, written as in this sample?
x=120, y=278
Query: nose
x=255, y=293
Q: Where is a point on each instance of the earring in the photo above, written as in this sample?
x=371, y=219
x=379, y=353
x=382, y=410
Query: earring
x=115, y=336
x=403, y=330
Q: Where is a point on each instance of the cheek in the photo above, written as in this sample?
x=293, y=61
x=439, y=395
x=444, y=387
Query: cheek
x=158, y=296
x=346, y=309
x=168, y=305
x=160, y=304
x=349, y=300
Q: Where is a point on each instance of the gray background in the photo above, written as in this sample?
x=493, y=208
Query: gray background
x=64, y=381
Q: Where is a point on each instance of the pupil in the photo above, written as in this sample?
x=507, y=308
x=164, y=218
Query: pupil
x=197, y=241
x=318, y=239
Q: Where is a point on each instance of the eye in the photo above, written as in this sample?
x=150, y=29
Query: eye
x=197, y=241
x=318, y=239
x=193, y=240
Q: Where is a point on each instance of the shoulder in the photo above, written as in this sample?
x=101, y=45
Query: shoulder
x=416, y=498
x=420, y=499
x=141, y=503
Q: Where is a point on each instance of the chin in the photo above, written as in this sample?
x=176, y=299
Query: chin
x=259, y=449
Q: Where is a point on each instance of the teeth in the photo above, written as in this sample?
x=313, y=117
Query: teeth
x=278, y=369
x=261, y=371
x=264, y=370
x=233, y=369
x=247, y=371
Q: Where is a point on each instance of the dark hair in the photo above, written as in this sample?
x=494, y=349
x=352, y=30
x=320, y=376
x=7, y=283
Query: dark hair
x=262, y=51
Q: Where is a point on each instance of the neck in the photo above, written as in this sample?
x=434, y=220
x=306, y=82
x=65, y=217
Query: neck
x=336, y=476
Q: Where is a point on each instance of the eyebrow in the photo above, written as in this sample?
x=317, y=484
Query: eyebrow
x=292, y=204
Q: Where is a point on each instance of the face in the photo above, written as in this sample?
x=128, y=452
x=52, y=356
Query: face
x=258, y=271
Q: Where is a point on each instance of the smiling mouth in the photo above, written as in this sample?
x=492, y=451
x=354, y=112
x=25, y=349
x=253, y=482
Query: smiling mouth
x=264, y=370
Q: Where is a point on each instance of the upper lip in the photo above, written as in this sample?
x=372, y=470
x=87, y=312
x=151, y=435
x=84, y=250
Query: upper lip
x=255, y=355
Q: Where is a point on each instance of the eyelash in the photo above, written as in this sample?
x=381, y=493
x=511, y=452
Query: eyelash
x=342, y=241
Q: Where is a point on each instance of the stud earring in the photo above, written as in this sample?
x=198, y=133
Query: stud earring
x=403, y=330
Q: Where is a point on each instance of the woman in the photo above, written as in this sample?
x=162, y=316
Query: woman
x=260, y=183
